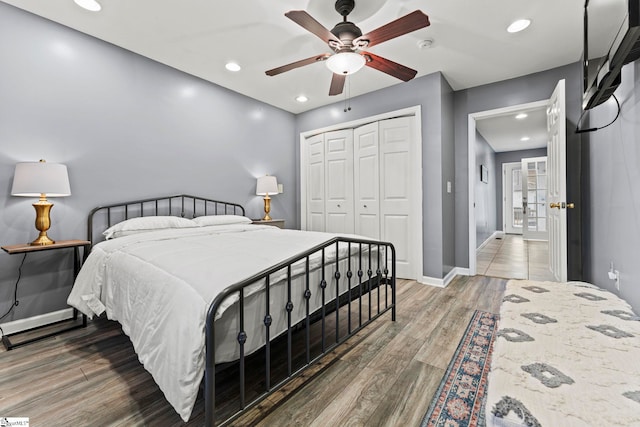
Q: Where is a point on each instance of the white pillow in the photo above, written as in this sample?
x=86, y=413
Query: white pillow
x=221, y=220
x=146, y=223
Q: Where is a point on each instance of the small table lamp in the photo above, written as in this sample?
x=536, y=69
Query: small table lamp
x=267, y=185
x=41, y=179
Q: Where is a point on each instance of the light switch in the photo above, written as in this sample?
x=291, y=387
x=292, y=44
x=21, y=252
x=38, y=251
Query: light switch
x=280, y=188
x=448, y=186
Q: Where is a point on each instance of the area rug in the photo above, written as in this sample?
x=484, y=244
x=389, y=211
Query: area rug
x=459, y=401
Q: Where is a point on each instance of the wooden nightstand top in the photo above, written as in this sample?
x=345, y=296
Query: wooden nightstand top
x=274, y=222
x=26, y=247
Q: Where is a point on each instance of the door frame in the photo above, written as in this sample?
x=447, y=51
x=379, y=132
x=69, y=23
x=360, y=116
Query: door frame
x=471, y=144
x=416, y=175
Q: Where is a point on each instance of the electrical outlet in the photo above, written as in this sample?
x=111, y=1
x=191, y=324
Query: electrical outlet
x=614, y=275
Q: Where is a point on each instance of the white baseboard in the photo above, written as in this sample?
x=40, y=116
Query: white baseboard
x=36, y=321
x=497, y=233
x=442, y=283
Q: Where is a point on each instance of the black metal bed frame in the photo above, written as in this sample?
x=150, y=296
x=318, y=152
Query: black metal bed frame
x=375, y=268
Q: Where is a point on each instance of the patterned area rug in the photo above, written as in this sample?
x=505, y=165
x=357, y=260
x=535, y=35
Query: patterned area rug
x=460, y=398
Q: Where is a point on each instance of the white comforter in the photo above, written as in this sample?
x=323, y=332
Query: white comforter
x=159, y=286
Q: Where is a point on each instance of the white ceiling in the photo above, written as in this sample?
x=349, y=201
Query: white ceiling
x=471, y=46
x=504, y=132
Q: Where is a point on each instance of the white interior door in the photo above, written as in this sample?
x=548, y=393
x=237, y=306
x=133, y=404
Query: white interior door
x=315, y=183
x=339, y=181
x=557, y=184
x=367, y=181
x=512, y=197
x=534, y=198
x=396, y=189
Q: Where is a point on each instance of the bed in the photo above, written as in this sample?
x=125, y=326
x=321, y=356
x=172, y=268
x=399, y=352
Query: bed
x=566, y=354
x=197, y=286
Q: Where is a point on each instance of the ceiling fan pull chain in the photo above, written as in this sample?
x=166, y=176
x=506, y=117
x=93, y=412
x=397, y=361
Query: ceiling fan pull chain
x=347, y=95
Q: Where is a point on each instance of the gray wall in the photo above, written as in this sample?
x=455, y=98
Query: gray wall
x=448, y=175
x=530, y=88
x=510, y=157
x=485, y=193
x=613, y=199
x=432, y=93
x=126, y=127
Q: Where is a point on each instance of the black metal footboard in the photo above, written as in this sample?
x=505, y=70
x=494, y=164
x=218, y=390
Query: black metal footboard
x=343, y=276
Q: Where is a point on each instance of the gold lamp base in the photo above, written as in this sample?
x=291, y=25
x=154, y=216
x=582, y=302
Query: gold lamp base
x=267, y=208
x=43, y=221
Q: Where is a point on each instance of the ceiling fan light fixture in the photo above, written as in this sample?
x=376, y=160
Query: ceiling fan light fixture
x=91, y=5
x=345, y=63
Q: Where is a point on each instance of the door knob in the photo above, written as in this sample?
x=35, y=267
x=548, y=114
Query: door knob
x=554, y=205
x=338, y=205
x=365, y=206
x=570, y=206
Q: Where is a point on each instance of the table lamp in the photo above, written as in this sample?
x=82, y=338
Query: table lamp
x=41, y=179
x=267, y=185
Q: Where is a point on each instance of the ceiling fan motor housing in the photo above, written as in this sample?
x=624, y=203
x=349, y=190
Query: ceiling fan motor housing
x=346, y=31
x=344, y=7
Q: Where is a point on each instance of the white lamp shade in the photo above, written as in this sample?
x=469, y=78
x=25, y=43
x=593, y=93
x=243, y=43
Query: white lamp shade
x=31, y=179
x=345, y=62
x=267, y=185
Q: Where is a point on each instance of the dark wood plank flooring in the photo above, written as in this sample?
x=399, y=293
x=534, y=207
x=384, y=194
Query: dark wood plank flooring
x=386, y=375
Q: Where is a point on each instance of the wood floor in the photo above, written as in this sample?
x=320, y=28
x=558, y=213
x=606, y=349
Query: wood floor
x=384, y=376
x=511, y=257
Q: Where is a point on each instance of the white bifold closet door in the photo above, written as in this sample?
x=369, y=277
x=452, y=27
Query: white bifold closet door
x=367, y=180
x=396, y=190
x=339, y=181
x=315, y=187
x=359, y=181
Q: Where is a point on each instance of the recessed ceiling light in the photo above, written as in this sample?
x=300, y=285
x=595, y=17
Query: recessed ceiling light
x=301, y=98
x=524, y=138
x=518, y=25
x=232, y=66
x=522, y=116
x=91, y=5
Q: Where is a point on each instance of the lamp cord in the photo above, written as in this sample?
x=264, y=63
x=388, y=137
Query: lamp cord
x=578, y=130
x=15, y=292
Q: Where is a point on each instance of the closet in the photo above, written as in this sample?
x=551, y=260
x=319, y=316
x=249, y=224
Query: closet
x=362, y=181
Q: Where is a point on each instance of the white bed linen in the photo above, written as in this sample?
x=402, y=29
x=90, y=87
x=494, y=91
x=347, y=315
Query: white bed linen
x=159, y=286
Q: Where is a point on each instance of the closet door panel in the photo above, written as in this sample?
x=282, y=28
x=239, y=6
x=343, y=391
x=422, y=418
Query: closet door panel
x=315, y=184
x=396, y=189
x=367, y=181
x=339, y=181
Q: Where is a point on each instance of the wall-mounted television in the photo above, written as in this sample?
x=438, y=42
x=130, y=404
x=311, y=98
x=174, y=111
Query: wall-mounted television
x=611, y=40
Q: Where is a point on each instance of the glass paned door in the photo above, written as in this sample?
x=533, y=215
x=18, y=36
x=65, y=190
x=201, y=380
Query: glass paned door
x=534, y=198
x=513, y=215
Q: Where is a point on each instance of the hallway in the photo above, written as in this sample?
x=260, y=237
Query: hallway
x=509, y=256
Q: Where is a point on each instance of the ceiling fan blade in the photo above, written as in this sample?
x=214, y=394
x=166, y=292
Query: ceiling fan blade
x=297, y=64
x=408, y=23
x=337, y=84
x=387, y=66
x=307, y=22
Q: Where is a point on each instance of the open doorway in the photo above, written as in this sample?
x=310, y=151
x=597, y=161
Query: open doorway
x=512, y=133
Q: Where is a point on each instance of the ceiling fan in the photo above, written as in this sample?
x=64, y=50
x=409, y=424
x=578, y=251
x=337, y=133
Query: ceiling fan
x=347, y=42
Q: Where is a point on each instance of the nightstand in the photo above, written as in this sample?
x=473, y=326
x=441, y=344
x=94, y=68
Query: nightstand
x=274, y=222
x=52, y=328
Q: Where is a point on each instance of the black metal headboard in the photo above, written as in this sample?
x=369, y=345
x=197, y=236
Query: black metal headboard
x=181, y=205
